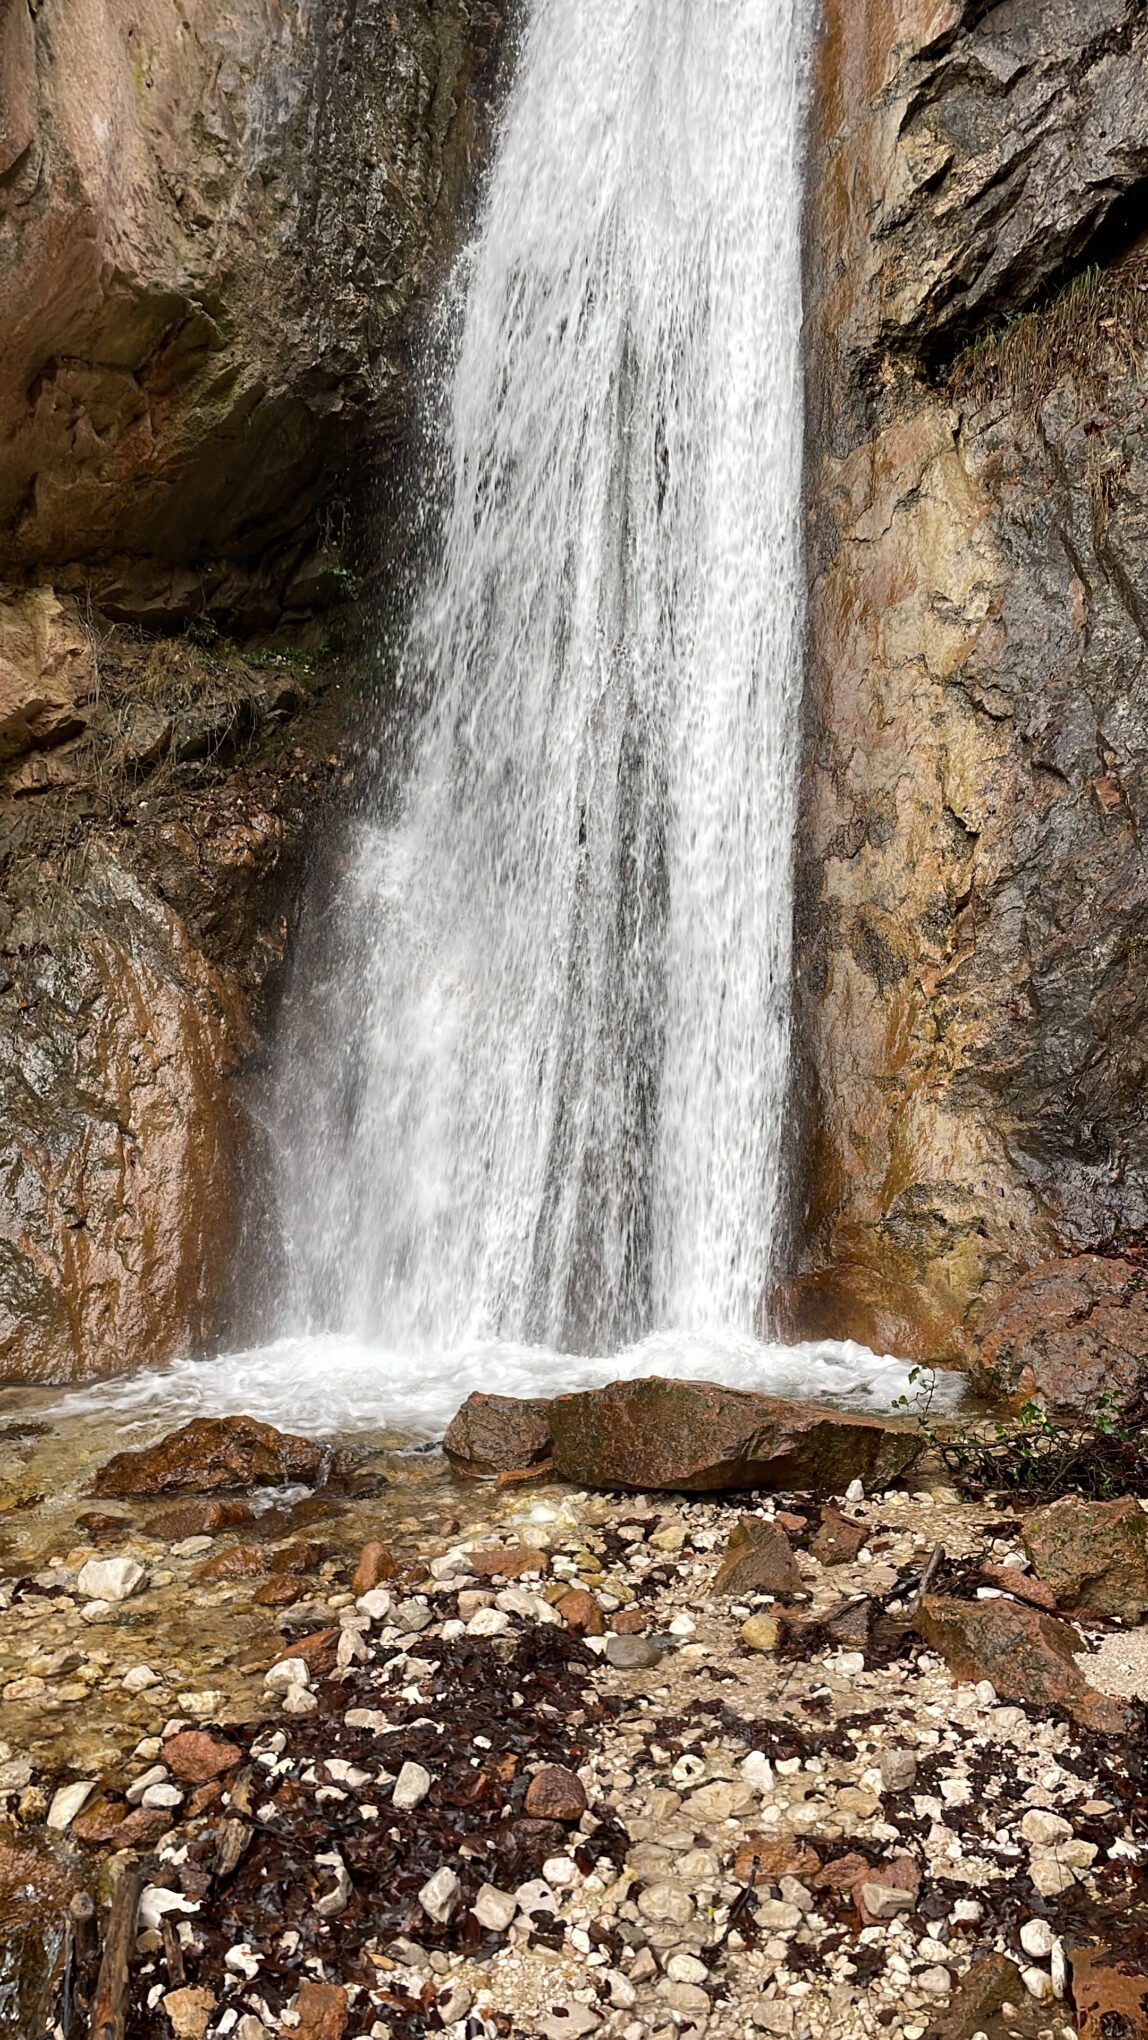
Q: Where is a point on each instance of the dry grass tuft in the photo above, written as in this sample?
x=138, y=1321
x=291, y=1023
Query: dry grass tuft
x=1093, y=332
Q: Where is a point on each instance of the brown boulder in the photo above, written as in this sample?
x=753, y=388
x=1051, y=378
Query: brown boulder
x=839, y=1539
x=554, y=1793
x=758, y=1560
x=1023, y=1585
x=698, y=1437
x=507, y=1561
x=580, y=1611
x=238, y=1562
x=210, y=1453
x=318, y=1651
x=1092, y=1554
x=494, y=1434
x=194, y=1757
x=1069, y=1332
x=1027, y=1656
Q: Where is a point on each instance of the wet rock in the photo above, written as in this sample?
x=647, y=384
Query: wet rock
x=1092, y=1554
x=758, y=1560
x=196, y=1518
x=68, y=1802
x=1025, y=1654
x=47, y=673
x=34, y=1894
x=317, y=1652
x=498, y=1434
x=195, y=1757
x=839, y=1538
x=210, y=1453
x=110, y=1579
x=375, y=1565
x=238, y=1562
x=1069, y=1332
x=701, y=1438
x=555, y=1793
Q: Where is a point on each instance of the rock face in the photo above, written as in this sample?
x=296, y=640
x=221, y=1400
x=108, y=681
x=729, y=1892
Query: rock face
x=694, y=1436
x=213, y=229
x=1092, y=1555
x=972, y=902
x=219, y=229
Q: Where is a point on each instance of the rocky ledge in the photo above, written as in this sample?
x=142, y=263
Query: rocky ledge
x=566, y=1763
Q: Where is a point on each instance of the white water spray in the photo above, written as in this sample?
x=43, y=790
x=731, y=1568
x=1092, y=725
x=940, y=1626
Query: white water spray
x=539, y=1094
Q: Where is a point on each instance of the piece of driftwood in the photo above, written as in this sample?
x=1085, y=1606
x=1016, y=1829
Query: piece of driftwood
x=110, y=1997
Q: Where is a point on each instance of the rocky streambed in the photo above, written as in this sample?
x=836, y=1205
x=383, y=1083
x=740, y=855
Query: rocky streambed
x=343, y=1743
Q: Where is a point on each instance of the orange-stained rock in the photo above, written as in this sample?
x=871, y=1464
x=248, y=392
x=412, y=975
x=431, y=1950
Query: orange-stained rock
x=507, y=1561
x=628, y=1622
x=196, y=1519
x=839, y=1538
x=1068, y=1333
x=318, y=1651
x=1026, y=1654
x=554, y=1793
x=211, y=1453
x=322, y=2012
x=701, y=1438
x=195, y=1757
x=1092, y=1555
x=276, y=1593
x=375, y=1564
x=238, y=1562
x=1025, y=1586
x=47, y=671
x=581, y=1611
x=763, y=1859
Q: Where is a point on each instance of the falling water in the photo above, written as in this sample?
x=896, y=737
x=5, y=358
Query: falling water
x=545, y=1071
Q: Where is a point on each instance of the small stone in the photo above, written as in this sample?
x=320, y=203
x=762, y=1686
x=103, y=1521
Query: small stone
x=321, y=2012
x=1059, y=1970
x=195, y=1757
x=1038, y=1984
x=1049, y=1874
x=24, y=1689
x=670, y=1537
x=190, y=2012
x=507, y=1561
x=334, y=1901
x=898, y=1770
x=454, y=2003
x=411, y=1787
x=375, y=1564
x=633, y=1653
x=685, y=1997
x=1042, y=1829
x=299, y=1700
x=568, y=2022
x=162, y=1798
x=885, y=1901
x=761, y=1633
x=855, y=1492
x=756, y=1771
x=156, y=1774
x=936, y=1981
x=376, y=1603
x=555, y=1793
x=1037, y=1939
x=68, y=1802
x=440, y=1895
x=534, y=1896
x=488, y=1622
x=620, y=1990
x=290, y=1671
x=494, y=1909
x=758, y=1560
x=110, y=1579
x=581, y=1611
x=412, y=1617
x=560, y=1872
x=666, y=1902
x=139, y=1679
x=686, y=1969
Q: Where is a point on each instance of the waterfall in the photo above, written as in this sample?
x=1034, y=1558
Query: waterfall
x=536, y=1091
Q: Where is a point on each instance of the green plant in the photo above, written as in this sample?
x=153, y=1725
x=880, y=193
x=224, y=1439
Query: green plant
x=1037, y=1458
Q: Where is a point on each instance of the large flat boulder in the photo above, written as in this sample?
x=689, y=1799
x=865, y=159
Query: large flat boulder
x=702, y=1438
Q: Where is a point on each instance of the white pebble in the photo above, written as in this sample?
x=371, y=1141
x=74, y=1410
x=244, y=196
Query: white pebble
x=440, y=1895
x=291, y=1671
x=1036, y=1938
x=488, y=1622
x=411, y=1787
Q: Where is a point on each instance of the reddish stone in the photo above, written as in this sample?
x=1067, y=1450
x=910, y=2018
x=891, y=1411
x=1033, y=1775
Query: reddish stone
x=1025, y=1586
x=99, y=1821
x=375, y=1565
x=95, y=1524
x=143, y=1827
x=1110, y=1994
x=758, y=1560
x=211, y=1453
x=843, y=1873
x=296, y=1559
x=517, y=1476
x=506, y=1562
x=237, y=1562
x=193, y=1756
x=1092, y=1555
x=276, y=1593
x=554, y=1793
x=791, y=1522
x=902, y=1874
x=629, y=1622
x=203, y=1799
x=197, y=1519
x=701, y=1438
x=762, y=1859
x=322, y=2012
x=580, y=1611
x=318, y=1651
x=839, y=1539
x=1026, y=1654
x=498, y=1434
